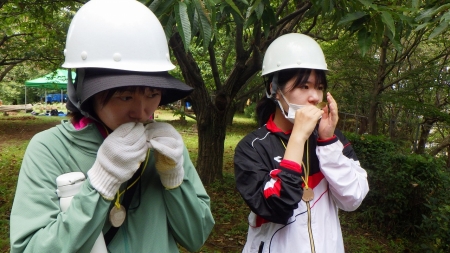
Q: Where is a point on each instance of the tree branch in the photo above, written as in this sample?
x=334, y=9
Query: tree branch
x=281, y=7
x=444, y=143
x=239, y=45
x=190, y=70
x=251, y=91
x=7, y=69
x=294, y=14
x=213, y=64
x=6, y=37
x=311, y=26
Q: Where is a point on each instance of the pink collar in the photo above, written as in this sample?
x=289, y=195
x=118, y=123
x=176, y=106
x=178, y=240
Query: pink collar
x=83, y=122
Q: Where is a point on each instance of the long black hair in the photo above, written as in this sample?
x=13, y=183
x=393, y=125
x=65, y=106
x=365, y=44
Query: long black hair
x=267, y=106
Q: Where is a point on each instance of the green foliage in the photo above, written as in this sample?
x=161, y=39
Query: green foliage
x=371, y=21
x=250, y=111
x=192, y=19
x=12, y=86
x=10, y=158
x=34, y=31
x=32, y=36
x=437, y=224
x=437, y=16
x=406, y=190
x=179, y=112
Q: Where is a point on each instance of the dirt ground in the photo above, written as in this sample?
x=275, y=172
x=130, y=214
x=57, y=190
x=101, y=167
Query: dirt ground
x=13, y=129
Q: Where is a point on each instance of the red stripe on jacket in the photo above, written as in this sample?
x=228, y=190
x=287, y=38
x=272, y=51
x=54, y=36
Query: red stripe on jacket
x=314, y=180
x=276, y=187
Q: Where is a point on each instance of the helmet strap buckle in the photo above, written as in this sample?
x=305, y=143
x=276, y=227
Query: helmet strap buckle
x=74, y=88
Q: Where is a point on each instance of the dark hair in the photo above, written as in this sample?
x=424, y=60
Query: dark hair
x=267, y=106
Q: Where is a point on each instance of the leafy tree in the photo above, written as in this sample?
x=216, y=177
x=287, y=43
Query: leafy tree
x=249, y=27
x=219, y=46
x=403, y=70
x=33, y=32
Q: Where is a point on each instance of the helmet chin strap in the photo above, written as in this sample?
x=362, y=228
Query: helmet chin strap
x=74, y=89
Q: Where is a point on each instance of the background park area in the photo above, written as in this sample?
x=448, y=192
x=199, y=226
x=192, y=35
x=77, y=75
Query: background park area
x=388, y=69
x=402, y=213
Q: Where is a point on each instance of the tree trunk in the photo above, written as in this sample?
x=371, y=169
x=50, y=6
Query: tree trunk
x=372, y=117
x=210, y=111
x=448, y=157
x=211, y=137
x=362, y=125
x=425, y=129
x=230, y=114
x=378, y=88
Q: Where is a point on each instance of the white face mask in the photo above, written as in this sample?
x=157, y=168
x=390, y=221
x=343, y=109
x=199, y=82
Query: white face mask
x=292, y=109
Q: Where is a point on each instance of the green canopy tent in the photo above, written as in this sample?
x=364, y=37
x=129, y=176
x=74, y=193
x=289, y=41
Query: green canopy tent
x=54, y=80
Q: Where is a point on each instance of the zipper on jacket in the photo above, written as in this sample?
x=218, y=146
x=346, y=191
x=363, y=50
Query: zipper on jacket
x=261, y=247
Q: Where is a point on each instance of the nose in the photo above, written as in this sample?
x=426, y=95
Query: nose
x=138, y=111
x=314, y=96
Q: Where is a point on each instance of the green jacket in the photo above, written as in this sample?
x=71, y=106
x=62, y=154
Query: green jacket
x=159, y=218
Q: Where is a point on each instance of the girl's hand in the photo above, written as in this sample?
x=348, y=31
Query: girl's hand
x=329, y=119
x=306, y=120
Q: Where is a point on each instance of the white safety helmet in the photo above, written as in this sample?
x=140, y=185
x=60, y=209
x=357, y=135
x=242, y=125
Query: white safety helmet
x=293, y=50
x=118, y=43
x=117, y=34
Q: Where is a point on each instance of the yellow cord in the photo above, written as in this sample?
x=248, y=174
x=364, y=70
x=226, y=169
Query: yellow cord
x=307, y=167
x=308, y=207
x=117, y=203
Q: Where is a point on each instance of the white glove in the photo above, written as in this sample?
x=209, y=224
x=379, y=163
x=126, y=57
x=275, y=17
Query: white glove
x=118, y=158
x=168, y=146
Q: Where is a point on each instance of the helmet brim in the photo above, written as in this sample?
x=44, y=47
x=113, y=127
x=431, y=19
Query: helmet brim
x=98, y=80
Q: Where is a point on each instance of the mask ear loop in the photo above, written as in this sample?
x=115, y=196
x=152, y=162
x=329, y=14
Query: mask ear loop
x=273, y=90
x=273, y=93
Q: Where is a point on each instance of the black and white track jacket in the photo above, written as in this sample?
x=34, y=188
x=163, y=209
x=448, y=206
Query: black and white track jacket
x=272, y=187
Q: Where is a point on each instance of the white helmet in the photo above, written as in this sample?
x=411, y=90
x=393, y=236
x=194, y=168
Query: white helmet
x=117, y=43
x=117, y=34
x=293, y=50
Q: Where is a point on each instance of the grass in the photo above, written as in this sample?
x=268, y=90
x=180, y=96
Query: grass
x=229, y=210
x=15, y=133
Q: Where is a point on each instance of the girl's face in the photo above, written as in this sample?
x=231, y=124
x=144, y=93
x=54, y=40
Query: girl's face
x=310, y=93
x=127, y=106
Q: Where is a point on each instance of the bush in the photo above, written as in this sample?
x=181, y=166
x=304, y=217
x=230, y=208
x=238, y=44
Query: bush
x=406, y=190
x=250, y=111
x=437, y=229
x=436, y=226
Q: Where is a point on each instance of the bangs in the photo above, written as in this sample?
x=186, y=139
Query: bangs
x=303, y=76
x=105, y=96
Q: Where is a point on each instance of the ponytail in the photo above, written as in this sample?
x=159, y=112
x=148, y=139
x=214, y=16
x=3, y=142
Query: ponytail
x=264, y=109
